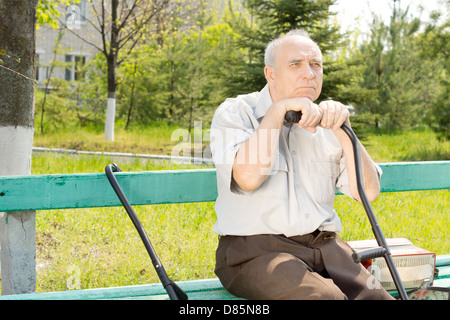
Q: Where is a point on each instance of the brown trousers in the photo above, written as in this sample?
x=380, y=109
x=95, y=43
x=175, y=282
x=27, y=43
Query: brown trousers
x=314, y=266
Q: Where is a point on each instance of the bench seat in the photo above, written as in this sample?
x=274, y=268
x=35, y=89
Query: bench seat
x=205, y=289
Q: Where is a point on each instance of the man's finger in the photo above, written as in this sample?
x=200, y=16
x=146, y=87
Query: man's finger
x=343, y=116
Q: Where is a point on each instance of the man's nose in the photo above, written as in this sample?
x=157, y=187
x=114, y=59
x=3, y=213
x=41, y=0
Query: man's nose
x=307, y=72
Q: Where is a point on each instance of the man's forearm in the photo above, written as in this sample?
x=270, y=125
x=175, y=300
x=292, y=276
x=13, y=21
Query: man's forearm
x=369, y=171
x=254, y=159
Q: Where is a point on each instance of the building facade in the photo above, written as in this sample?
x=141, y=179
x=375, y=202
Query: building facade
x=62, y=52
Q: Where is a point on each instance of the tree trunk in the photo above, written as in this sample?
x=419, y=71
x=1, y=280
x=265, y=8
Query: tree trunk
x=110, y=116
x=112, y=66
x=130, y=108
x=17, y=74
x=111, y=102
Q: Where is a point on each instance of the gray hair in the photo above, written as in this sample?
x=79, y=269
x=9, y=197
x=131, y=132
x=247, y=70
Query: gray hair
x=269, y=55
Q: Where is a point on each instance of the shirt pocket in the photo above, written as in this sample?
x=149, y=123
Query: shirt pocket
x=324, y=175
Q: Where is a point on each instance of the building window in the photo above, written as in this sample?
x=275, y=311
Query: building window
x=75, y=69
x=41, y=71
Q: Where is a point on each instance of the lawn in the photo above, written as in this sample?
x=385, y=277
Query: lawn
x=92, y=248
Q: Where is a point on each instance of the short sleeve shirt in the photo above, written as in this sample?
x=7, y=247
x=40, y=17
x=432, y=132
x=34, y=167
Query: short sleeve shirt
x=298, y=195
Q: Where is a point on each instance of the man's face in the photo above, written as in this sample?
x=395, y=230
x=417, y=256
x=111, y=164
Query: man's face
x=298, y=71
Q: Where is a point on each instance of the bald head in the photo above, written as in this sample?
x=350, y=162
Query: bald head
x=270, y=55
x=294, y=67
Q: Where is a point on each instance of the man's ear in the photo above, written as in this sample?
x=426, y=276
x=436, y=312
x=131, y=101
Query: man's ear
x=269, y=72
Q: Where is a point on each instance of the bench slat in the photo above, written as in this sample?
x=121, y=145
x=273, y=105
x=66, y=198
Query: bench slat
x=414, y=176
x=42, y=192
x=205, y=289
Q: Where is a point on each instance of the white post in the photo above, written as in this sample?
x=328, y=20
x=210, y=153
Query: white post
x=110, y=118
x=17, y=229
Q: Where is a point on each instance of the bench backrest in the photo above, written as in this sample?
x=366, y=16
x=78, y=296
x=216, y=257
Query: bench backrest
x=64, y=191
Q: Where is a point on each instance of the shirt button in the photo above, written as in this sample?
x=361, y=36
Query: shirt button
x=297, y=186
x=307, y=215
x=294, y=152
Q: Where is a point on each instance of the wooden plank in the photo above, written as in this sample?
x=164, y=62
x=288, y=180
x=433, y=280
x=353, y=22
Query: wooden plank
x=205, y=289
x=40, y=192
x=443, y=260
x=442, y=279
x=413, y=176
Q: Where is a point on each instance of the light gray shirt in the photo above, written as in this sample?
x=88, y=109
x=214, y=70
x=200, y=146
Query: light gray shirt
x=298, y=196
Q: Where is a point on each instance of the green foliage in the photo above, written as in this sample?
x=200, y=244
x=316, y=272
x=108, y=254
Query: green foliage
x=397, y=75
x=402, y=83
x=47, y=12
x=268, y=20
x=178, y=80
x=434, y=44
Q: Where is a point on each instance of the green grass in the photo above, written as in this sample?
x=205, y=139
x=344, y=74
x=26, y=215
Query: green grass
x=158, y=138
x=420, y=216
x=100, y=246
x=154, y=139
x=420, y=145
x=161, y=138
x=92, y=248
x=104, y=248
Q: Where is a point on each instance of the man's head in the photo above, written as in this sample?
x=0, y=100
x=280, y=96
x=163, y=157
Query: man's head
x=294, y=67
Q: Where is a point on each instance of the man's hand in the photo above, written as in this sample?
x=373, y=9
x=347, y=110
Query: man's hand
x=334, y=114
x=311, y=113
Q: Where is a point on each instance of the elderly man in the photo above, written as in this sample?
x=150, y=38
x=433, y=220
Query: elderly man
x=276, y=185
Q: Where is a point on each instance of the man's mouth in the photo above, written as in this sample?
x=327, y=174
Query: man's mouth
x=307, y=88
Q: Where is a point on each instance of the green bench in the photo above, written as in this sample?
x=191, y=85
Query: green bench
x=64, y=191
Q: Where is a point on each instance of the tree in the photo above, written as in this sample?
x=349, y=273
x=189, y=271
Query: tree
x=54, y=63
x=269, y=19
x=398, y=73
x=434, y=44
x=17, y=74
x=121, y=26
x=180, y=70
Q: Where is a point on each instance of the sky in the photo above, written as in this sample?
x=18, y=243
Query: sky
x=353, y=13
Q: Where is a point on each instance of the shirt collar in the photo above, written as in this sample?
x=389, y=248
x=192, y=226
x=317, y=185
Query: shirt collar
x=264, y=102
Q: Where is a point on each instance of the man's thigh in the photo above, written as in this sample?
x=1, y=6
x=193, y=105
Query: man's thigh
x=252, y=268
x=282, y=276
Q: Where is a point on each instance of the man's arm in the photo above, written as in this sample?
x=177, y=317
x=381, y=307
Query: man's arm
x=334, y=115
x=255, y=158
x=369, y=171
